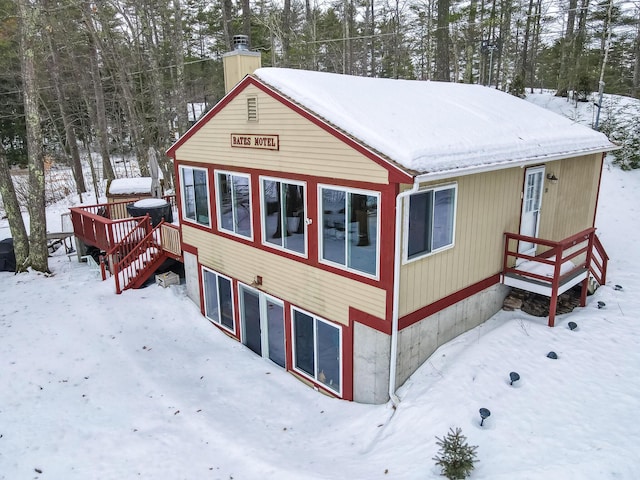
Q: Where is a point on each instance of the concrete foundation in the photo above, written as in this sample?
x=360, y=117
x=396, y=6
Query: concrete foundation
x=192, y=277
x=417, y=342
x=371, y=355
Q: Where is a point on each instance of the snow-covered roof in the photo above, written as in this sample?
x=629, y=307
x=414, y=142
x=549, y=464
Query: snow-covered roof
x=429, y=127
x=126, y=186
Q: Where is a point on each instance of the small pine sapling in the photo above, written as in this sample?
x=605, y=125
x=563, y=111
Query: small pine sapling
x=456, y=457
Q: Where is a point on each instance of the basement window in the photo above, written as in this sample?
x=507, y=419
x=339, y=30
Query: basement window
x=252, y=109
x=316, y=349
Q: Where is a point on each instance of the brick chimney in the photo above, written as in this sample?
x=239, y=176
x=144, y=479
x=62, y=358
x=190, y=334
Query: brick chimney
x=239, y=62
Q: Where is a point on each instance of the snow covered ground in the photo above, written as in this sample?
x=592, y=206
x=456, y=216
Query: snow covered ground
x=95, y=385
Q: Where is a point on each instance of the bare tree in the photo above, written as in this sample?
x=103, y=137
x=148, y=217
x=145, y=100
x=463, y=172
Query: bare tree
x=567, y=48
x=29, y=38
x=71, y=142
x=635, y=89
x=14, y=215
x=98, y=107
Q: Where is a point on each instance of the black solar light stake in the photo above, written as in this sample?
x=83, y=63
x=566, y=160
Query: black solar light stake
x=484, y=413
x=573, y=325
x=514, y=377
x=552, y=355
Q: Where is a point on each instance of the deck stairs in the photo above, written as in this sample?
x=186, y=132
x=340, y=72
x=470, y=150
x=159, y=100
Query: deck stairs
x=133, y=249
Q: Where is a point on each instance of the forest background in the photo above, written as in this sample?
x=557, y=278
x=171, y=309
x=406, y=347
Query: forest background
x=122, y=77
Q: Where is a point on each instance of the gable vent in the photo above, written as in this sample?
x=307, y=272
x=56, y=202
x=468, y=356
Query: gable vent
x=252, y=109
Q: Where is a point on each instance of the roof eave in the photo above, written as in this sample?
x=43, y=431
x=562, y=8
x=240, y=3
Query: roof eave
x=472, y=170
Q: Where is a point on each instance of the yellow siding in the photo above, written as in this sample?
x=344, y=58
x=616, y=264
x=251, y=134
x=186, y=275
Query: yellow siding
x=488, y=205
x=568, y=206
x=304, y=147
x=313, y=289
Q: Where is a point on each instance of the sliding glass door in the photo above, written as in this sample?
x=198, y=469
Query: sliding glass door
x=262, y=318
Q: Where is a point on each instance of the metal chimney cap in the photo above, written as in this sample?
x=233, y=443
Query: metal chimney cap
x=240, y=42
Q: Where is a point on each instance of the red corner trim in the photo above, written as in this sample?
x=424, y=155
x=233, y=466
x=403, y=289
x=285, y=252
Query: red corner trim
x=347, y=361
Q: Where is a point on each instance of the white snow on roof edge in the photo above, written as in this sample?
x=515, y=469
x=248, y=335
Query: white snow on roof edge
x=433, y=127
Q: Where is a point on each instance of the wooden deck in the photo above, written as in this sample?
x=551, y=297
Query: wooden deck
x=558, y=267
x=132, y=248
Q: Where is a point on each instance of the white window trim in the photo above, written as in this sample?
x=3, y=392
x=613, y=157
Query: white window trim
x=263, y=219
x=233, y=304
x=405, y=223
x=218, y=203
x=183, y=200
x=315, y=350
x=344, y=267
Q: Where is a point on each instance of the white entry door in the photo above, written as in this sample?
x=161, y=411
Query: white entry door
x=531, y=202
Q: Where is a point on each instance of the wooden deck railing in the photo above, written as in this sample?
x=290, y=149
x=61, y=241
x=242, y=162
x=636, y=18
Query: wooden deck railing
x=570, y=261
x=170, y=239
x=133, y=254
x=98, y=225
x=97, y=230
x=133, y=248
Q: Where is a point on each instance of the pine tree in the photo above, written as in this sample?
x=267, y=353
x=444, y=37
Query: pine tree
x=456, y=457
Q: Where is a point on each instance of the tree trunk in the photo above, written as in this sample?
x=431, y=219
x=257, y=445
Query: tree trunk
x=286, y=32
x=442, y=42
x=525, y=46
x=71, y=146
x=29, y=37
x=567, y=48
x=160, y=137
x=121, y=72
x=14, y=215
x=471, y=42
x=227, y=18
x=372, y=42
x=635, y=89
x=179, y=84
x=246, y=19
x=100, y=111
x=535, y=40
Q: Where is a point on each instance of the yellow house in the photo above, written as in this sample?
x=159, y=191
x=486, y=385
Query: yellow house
x=345, y=227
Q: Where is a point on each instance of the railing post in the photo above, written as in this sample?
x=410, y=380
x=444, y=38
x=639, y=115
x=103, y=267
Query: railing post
x=588, y=260
x=553, y=304
x=555, y=283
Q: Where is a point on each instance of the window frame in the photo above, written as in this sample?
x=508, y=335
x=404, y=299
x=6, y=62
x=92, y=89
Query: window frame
x=216, y=174
x=348, y=191
x=407, y=206
x=316, y=319
x=183, y=201
x=263, y=215
x=218, y=321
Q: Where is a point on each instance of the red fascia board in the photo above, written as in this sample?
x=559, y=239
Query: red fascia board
x=210, y=114
x=396, y=174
